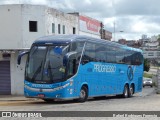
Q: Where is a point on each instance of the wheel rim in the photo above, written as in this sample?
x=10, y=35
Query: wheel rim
x=131, y=91
x=82, y=94
x=126, y=92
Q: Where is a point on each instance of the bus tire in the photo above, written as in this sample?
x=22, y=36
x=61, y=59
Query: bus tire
x=83, y=94
x=125, y=92
x=131, y=91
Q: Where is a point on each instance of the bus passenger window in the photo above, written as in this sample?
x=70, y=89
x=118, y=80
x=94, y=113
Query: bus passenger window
x=89, y=53
x=137, y=58
x=72, y=67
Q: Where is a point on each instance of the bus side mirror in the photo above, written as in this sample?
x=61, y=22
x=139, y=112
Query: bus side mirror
x=20, y=56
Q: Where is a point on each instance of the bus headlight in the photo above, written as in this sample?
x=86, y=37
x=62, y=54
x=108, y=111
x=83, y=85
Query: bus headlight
x=71, y=82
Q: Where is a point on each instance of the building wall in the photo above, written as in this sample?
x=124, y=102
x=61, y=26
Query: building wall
x=89, y=34
x=151, y=54
x=45, y=17
x=89, y=26
x=17, y=74
x=32, y=13
x=14, y=19
x=10, y=27
x=58, y=17
x=107, y=35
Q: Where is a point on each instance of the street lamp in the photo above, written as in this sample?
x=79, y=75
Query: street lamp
x=114, y=27
x=121, y=32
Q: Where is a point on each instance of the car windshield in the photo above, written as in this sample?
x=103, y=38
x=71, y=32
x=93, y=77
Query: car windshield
x=45, y=64
x=147, y=79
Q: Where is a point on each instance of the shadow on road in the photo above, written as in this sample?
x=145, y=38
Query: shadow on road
x=76, y=101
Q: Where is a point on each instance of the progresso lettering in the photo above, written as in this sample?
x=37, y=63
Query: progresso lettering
x=104, y=68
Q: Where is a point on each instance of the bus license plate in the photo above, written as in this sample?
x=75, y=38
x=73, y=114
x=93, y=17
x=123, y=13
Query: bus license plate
x=41, y=95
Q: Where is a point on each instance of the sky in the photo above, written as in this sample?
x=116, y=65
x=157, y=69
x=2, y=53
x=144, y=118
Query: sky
x=131, y=18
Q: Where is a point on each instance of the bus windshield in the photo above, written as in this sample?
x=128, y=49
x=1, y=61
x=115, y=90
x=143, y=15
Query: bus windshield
x=45, y=64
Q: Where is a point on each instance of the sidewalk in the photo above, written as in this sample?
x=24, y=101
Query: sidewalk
x=15, y=98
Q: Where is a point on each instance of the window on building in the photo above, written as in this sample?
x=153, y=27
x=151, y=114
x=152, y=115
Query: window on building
x=74, y=30
x=33, y=26
x=53, y=28
x=59, y=29
x=63, y=29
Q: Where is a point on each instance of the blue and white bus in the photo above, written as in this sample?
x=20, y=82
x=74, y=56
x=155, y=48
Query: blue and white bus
x=78, y=67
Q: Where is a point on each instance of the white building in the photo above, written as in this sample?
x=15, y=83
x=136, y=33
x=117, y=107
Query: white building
x=151, y=54
x=20, y=25
x=150, y=47
x=144, y=36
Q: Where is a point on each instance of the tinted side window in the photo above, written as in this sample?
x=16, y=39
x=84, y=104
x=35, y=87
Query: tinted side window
x=133, y=57
x=77, y=46
x=137, y=58
x=111, y=54
x=89, y=52
x=100, y=54
x=128, y=57
x=120, y=56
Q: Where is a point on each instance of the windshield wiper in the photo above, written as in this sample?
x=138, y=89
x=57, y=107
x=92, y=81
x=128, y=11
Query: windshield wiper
x=37, y=71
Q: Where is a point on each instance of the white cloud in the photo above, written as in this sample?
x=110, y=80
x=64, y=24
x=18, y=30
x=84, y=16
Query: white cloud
x=88, y=2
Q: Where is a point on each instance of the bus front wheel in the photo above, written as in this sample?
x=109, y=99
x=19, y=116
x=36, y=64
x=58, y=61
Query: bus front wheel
x=83, y=94
x=126, y=91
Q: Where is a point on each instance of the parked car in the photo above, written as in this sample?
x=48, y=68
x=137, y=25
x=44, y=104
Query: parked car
x=147, y=82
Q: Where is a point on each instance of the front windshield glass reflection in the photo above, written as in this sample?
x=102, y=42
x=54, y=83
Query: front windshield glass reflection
x=45, y=64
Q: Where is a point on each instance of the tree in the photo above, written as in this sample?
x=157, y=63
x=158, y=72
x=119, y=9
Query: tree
x=146, y=65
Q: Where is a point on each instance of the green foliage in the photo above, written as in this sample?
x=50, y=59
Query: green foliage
x=147, y=75
x=146, y=65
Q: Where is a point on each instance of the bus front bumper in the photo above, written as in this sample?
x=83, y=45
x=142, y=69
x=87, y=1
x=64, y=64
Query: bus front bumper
x=51, y=93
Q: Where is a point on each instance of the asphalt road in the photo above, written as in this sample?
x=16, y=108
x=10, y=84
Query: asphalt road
x=146, y=100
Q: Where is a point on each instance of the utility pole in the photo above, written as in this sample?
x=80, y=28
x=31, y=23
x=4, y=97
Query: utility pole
x=102, y=31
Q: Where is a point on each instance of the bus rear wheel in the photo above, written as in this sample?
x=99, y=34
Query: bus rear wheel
x=131, y=91
x=125, y=92
x=83, y=94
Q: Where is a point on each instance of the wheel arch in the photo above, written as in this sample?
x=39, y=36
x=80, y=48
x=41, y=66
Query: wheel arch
x=85, y=85
x=126, y=84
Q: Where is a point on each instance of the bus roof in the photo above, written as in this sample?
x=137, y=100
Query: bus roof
x=65, y=39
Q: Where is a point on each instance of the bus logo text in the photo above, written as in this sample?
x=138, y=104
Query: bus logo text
x=104, y=68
